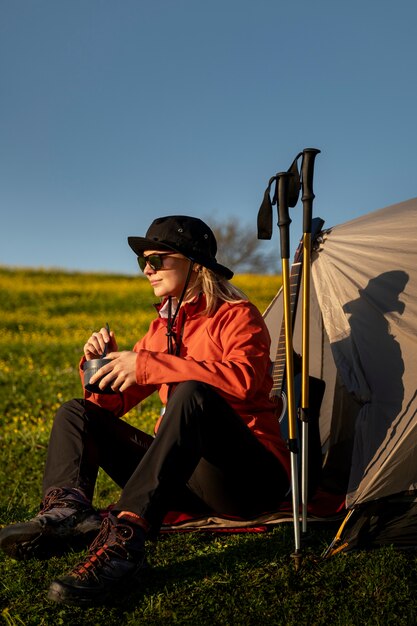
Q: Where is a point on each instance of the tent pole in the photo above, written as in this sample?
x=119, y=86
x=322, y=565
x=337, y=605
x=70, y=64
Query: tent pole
x=307, y=171
x=284, y=223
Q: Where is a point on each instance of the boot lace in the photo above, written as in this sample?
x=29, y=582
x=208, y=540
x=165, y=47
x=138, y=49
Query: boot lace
x=55, y=499
x=109, y=543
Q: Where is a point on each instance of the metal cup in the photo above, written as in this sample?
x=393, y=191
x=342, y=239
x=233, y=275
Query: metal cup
x=90, y=368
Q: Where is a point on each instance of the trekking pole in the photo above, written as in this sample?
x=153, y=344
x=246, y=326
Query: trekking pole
x=307, y=170
x=284, y=221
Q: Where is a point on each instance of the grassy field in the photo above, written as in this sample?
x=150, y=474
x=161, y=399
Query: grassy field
x=195, y=578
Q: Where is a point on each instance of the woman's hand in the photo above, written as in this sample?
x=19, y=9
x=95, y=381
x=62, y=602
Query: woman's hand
x=120, y=373
x=95, y=345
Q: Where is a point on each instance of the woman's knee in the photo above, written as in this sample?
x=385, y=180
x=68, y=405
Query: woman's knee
x=193, y=400
x=194, y=389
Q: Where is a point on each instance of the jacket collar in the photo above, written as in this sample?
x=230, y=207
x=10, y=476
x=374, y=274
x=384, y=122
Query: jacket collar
x=192, y=307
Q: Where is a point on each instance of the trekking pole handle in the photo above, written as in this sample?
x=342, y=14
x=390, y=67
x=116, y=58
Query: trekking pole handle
x=284, y=220
x=307, y=172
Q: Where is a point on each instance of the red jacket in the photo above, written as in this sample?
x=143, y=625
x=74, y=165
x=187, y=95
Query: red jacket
x=228, y=350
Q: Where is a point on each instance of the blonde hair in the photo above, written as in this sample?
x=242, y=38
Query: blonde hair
x=216, y=288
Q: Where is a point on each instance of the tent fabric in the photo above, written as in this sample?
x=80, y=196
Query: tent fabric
x=365, y=280
x=389, y=521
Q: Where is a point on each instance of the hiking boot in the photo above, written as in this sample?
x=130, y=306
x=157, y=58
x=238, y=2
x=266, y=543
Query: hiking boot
x=66, y=521
x=115, y=563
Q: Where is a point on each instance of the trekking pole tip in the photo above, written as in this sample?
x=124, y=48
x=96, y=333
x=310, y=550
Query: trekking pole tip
x=297, y=558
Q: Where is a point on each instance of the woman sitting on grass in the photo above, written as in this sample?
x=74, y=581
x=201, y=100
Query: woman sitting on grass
x=217, y=448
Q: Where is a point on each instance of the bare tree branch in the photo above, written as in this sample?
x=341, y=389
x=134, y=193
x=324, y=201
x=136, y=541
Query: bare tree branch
x=238, y=248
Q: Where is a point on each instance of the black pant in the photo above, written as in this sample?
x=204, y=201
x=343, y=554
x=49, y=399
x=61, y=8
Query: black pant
x=203, y=458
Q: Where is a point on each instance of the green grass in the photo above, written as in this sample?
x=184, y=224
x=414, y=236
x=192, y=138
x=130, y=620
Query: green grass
x=195, y=578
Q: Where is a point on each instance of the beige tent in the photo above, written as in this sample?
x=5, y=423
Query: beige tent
x=364, y=345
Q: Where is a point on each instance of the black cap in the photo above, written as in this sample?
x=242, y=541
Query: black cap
x=188, y=235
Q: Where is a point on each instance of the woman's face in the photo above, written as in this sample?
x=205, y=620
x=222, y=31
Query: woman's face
x=170, y=279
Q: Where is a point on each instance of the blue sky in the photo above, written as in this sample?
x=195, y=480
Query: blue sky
x=114, y=113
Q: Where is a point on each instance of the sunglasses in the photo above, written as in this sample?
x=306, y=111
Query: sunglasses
x=155, y=261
